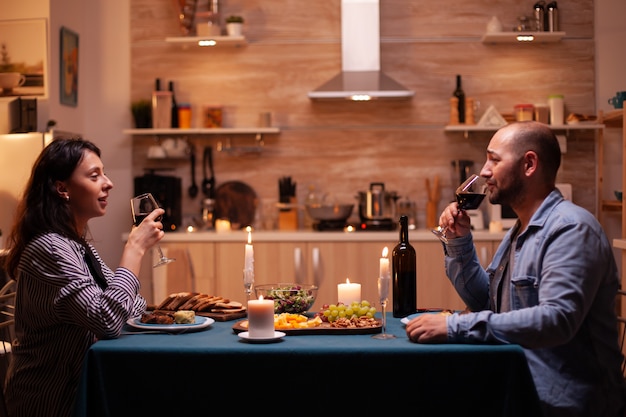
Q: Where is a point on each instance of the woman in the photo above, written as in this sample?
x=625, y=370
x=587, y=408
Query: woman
x=67, y=298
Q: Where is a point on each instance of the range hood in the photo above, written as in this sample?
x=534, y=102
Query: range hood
x=360, y=78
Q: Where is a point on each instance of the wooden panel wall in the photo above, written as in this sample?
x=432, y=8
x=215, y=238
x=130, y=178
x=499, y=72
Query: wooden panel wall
x=340, y=147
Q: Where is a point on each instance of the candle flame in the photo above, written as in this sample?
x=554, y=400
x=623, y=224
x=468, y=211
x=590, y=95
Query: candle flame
x=385, y=252
x=260, y=298
x=347, y=281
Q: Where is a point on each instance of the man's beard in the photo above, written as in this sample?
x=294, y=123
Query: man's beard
x=509, y=194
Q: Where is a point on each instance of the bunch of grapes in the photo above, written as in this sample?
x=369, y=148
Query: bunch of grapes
x=332, y=312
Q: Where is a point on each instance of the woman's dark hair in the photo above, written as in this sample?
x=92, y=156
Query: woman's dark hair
x=42, y=209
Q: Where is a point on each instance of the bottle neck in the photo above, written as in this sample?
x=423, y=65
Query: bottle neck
x=404, y=230
x=458, y=82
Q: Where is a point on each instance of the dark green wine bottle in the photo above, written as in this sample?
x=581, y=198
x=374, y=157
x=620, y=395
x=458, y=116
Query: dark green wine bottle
x=404, y=273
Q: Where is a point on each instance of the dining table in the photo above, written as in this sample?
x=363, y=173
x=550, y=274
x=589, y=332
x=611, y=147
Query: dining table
x=213, y=371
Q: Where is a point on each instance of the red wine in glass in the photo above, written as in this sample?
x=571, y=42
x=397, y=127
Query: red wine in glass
x=469, y=195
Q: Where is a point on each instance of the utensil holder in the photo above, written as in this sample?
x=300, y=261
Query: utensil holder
x=288, y=215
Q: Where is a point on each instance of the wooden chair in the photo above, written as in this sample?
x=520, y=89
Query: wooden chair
x=7, y=334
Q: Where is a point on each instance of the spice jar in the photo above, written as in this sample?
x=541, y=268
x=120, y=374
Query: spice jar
x=524, y=112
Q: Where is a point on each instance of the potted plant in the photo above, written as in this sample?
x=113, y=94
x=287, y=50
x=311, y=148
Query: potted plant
x=233, y=25
x=142, y=114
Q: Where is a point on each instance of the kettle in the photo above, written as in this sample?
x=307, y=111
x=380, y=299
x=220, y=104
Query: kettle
x=377, y=204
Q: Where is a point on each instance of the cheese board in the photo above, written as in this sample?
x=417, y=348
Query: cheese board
x=324, y=328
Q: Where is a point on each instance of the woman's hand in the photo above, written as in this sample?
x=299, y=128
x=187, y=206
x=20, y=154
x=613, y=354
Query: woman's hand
x=141, y=238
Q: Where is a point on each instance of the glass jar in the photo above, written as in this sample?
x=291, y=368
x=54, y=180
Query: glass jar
x=524, y=112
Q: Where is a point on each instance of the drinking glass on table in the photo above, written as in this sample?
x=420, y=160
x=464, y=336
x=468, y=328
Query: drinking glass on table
x=383, y=297
x=469, y=195
x=142, y=206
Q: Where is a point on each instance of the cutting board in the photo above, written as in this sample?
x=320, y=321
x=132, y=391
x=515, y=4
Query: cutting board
x=324, y=328
x=215, y=316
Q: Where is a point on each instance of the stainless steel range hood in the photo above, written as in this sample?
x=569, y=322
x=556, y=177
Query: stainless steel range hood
x=360, y=78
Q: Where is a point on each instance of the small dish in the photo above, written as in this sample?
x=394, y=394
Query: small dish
x=246, y=336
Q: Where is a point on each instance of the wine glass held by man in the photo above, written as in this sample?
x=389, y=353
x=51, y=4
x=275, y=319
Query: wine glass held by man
x=550, y=287
x=67, y=297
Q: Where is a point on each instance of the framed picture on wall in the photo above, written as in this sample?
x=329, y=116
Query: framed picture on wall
x=24, y=58
x=69, y=67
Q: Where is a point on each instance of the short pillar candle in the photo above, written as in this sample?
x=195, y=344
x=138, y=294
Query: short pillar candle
x=261, y=318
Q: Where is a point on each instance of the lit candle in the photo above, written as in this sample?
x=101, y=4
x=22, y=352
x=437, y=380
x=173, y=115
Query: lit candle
x=384, y=276
x=261, y=318
x=222, y=225
x=384, y=264
x=348, y=292
x=249, y=259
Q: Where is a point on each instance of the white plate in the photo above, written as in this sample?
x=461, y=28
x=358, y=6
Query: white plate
x=410, y=317
x=200, y=323
x=246, y=336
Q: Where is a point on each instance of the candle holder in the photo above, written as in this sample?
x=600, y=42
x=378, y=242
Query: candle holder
x=248, y=282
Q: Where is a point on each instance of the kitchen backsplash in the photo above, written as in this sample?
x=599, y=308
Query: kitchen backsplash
x=342, y=147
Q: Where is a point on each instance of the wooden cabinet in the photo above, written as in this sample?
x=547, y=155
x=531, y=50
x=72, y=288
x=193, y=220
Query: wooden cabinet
x=217, y=268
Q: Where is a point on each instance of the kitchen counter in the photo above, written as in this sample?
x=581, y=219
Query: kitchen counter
x=421, y=235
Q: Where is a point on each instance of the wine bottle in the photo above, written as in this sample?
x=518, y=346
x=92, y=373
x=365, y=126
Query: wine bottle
x=460, y=94
x=404, y=274
x=174, y=106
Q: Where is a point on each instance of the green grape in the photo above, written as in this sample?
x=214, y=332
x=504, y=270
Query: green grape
x=349, y=311
x=326, y=313
x=363, y=311
x=365, y=303
x=342, y=313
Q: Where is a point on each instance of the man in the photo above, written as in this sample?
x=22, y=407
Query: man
x=550, y=287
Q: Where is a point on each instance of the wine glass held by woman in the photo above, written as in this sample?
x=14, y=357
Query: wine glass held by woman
x=67, y=297
x=141, y=207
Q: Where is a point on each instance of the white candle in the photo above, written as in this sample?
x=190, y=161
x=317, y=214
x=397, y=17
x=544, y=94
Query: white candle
x=261, y=318
x=348, y=292
x=384, y=264
x=384, y=276
x=222, y=225
x=249, y=254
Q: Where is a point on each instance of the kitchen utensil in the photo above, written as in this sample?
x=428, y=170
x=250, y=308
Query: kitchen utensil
x=377, y=204
x=321, y=212
x=208, y=183
x=235, y=201
x=193, y=188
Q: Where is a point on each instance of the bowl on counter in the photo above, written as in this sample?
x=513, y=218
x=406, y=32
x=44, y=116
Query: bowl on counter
x=325, y=212
x=288, y=297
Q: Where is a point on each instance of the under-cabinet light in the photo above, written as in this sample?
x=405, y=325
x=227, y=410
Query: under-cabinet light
x=207, y=42
x=525, y=38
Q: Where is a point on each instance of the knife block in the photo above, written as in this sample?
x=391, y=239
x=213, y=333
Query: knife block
x=288, y=215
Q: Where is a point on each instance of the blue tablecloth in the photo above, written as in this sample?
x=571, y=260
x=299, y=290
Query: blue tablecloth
x=214, y=372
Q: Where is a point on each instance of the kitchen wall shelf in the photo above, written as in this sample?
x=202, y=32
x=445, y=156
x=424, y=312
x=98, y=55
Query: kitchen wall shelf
x=207, y=41
x=476, y=128
x=527, y=37
x=205, y=131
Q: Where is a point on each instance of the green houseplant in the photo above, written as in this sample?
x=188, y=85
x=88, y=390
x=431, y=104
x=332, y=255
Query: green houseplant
x=142, y=113
x=233, y=25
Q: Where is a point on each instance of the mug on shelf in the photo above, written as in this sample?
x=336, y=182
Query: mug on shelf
x=11, y=80
x=618, y=100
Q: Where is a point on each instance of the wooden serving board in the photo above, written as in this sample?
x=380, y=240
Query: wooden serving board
x=324, y=328
x=215, y=316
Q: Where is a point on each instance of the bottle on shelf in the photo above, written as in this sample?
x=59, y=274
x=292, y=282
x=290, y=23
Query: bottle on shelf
x=161, y=107
x=404, y=273
x=174, y=117
x=553, y=17
x=459, y=94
